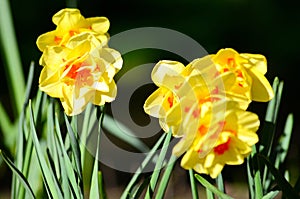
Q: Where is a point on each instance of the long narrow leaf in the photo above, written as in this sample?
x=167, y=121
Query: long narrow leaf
x=165, y=178
x=19, y=174
x=286, y=188
x=271, y=195
x=48, y=177
x=126, y=192
x=11, y=56
x=75, y=147
x=193, y=184
x=67, y=162
x=211, y=187
x=284, y=141
x=158, y=166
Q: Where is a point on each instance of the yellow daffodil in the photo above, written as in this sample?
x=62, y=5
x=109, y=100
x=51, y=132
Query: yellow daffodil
x=237, y=136
x=80, y=72
x=69, y=22
x=181, y=93
x=205, y=105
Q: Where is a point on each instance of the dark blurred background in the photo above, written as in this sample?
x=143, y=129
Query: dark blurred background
x=269, y=27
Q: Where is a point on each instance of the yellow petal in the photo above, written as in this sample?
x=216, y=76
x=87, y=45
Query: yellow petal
x=67, y=18
x=255, y=60
x=50, y=83
x=99, y=24
x=101, y=98
x=46, y=39
x=261, y=89
x=167, y=73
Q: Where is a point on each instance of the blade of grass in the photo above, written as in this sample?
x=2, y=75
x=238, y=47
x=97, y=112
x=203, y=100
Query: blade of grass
x=126, y=192
x=22, y=159
x=67, y=162
x=165, y=178
x=101, y=186
x=193, y=184
x=268, y=130
x=63, y=169
x=258, y=188
x=250, y=178
x=220, y=183
x=137, y=192
x=47, y=174
x=271, y=195
x=158, y=166
x=11, y=56
x=75, y=147
x=212, y=188
x=18, y=174
x=94, y=190
x=285, y=186
x=284, y=141
x=209, y=194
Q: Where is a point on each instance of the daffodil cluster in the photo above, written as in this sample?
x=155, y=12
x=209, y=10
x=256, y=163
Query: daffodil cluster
x=205, y=105
x=78, y=65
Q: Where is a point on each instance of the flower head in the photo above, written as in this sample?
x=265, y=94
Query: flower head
x=205, y=102
x=237, y=136
x=78, y=69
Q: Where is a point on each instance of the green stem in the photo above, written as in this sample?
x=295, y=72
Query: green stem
x=193, y=184
x=11, y=56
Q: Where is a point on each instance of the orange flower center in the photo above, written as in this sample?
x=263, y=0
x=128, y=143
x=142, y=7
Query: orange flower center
x=73, y=71
x=222, y=148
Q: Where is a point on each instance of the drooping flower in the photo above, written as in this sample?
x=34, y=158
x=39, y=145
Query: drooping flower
x=80, y=68
x=237, y=136
x=69, y=22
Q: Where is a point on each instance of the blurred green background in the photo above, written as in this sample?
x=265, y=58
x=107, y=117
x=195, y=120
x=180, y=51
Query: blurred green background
x=271, y=28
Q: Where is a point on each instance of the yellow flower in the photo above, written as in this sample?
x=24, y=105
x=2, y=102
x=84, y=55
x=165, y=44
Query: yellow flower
x=205, y=105
x=69, y=22
x=236, y=137
x=181, y=93
x=80, y=72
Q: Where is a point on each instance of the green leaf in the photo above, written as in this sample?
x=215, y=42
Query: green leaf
x=271, y=195
x=19, y=174
x=158, y=166
x=165, y=178
x=67, y=162
x=284, y=141
x=127, y=192
x=209, y=194
x=52, y=186
x=75, y=148
x=286, y=188
x=220, y=183
x=211, y=187
x=250, y=177
x=193, y=184
x=101, y=186
x=11, y=56
x=63, y=169
x=94, y=191
x=137, y=192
